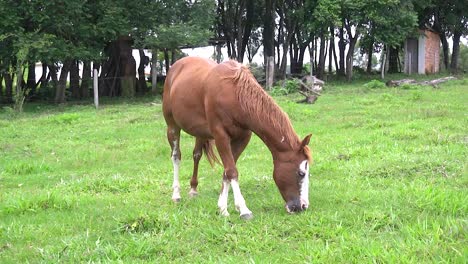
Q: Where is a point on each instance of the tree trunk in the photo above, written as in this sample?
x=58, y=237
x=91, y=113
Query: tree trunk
x=341, y=47
x=311, y=58
x=173, y=56
x=166, y=60
x=250, y=18
x=284, y=59
x=44, y=77
x=443, y=39
x=321, y=64
x=1, y=87
x=31, y=82
x=316, y=53
x=219, y=53
x=8, y=87
x=154, y=71
x=85, y=79
x=62, y=83
x=53, y=75
x=393, y=60
x=268, y=41
x=383, y=62
x=455, y=51
x=141, y=87
x=350, y=57
x=19, y=93
x=331, y=50
x=240, y=30
x=300, y=61
x=118, y=75
x=370, y=51
x=75, y=80
x=270, y=72
x=110, y=79
x=128, y=72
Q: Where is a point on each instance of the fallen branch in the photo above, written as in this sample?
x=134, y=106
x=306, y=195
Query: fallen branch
x=434, y=83
x=309, y=89
x=440, y=80
x=309, y=99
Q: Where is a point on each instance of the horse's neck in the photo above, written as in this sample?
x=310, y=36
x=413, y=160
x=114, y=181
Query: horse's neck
x=263, y=116
x=277, y=139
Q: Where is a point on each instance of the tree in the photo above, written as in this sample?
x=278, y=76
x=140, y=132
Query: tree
x=236, y=20
x=390, y=23
x=287, y=11
x=268, y=41
x=182, y=24
x=449, y=19
x=254, y=44
x=463, y=58
x=456, y=22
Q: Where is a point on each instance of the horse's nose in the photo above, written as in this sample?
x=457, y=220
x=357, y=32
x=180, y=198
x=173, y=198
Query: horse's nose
x=295, y=206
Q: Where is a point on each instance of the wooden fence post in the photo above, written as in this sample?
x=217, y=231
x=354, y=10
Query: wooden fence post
x=96, y=90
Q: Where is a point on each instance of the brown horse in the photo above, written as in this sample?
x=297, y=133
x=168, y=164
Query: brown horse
x=224, y=102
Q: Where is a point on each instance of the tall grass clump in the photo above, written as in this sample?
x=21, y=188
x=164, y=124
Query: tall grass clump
x=375, y=84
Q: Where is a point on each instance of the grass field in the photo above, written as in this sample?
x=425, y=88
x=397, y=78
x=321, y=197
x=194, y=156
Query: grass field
x=388, y=185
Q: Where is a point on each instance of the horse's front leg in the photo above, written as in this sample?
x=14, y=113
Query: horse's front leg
x=230, y=178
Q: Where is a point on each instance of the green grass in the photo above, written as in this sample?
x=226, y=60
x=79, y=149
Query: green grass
x=388, y=185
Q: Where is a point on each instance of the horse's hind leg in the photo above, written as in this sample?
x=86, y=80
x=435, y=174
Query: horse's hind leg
x=173, y=136
x=197, y=154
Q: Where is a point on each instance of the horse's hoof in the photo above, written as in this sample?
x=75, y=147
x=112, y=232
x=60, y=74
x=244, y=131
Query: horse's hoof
x=176, y=200
x=224, y=213
x=246, y=216
x=193, y=194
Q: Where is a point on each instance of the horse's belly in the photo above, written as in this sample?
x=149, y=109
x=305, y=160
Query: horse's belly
x=199, y=130
x=195, y=125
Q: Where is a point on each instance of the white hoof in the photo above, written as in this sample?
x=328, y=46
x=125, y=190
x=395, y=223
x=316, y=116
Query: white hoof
x=224, y=212
x=193, y=193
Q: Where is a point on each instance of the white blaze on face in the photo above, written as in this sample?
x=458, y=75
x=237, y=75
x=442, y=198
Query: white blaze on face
x=304, y=183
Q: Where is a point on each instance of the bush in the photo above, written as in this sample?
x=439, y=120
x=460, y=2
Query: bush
x=257, y=71
x=278, y=91
x=287, y=87
x=375, y=84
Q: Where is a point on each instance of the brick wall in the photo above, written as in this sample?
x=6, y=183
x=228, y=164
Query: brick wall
x=431, y=53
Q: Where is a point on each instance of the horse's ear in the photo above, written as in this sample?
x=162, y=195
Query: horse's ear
x=306, y=141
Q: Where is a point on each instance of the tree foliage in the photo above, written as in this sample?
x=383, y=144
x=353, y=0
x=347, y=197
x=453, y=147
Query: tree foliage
x=63, y=33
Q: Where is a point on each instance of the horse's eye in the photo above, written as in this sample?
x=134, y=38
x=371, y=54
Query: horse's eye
x=301, y=173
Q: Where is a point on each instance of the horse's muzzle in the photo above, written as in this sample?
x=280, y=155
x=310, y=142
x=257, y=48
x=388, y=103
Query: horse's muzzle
x=296, y=205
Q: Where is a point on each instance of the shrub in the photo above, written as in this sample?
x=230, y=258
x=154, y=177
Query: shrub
x=257, y=71
x=278, y=91
x=408, y=86
x=375, y=84
x=287, y=87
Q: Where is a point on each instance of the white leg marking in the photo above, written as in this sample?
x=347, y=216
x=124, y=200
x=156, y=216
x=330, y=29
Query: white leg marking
x=176, y=165
x=193, y=192
x=223, y=199
x=304, y=167
x=239, y=200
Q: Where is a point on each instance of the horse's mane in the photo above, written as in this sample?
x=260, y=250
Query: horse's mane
x=258, y=104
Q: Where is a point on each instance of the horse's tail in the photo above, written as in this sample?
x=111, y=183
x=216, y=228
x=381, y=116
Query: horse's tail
x=210, y=153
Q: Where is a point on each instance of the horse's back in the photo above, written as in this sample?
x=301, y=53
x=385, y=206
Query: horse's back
x=186, y=73
x=183, y=98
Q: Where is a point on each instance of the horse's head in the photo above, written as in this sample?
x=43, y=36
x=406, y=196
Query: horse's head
x=291, y=174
